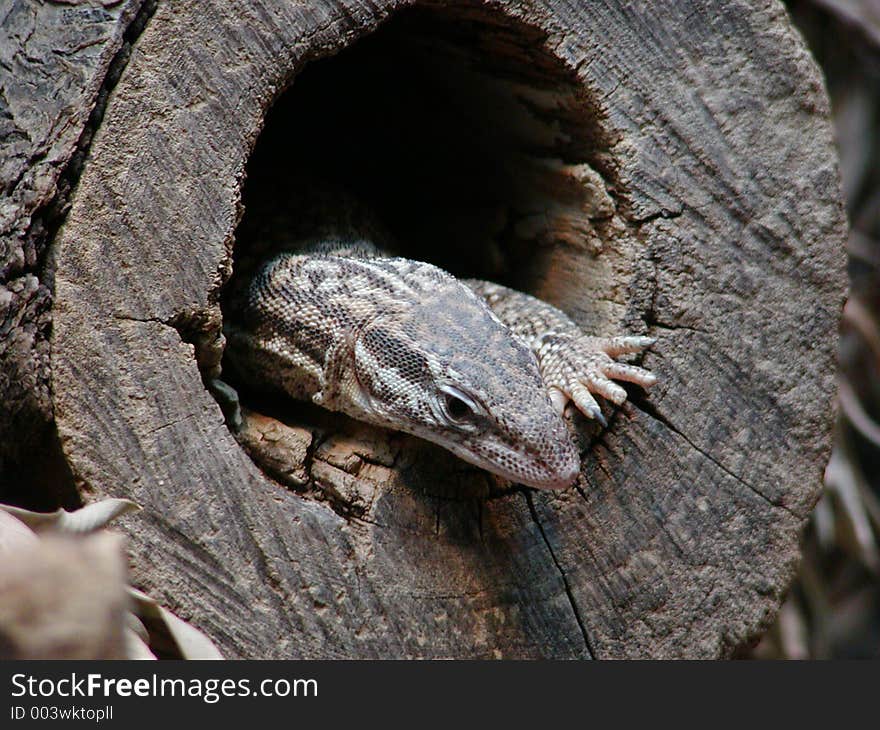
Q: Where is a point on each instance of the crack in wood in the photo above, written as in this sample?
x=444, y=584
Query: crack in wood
x=568, y=591
x=651, y=411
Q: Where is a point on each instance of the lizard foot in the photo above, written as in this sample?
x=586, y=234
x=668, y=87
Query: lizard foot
x=575, y=368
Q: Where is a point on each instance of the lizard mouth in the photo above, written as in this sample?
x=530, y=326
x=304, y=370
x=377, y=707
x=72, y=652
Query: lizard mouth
x=555, y=479
x=528, y=470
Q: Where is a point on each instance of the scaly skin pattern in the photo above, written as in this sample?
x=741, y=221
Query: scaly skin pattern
x=573, y=365
x=477, y=368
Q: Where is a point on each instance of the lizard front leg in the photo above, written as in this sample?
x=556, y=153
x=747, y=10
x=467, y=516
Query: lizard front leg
x=574, y=366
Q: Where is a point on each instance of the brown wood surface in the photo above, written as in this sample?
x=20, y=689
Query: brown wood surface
x=665, y=168
x=58, y=63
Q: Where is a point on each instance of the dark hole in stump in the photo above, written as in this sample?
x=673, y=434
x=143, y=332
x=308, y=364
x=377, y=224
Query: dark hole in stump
x=475, y=147
x=460, y=132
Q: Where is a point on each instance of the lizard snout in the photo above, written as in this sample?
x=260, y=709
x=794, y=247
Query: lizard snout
x=564, y=477
x=560, y=461
x=539, y=453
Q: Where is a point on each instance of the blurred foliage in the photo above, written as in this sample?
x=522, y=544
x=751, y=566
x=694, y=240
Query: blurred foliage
x=88, y=630
x=833, y=610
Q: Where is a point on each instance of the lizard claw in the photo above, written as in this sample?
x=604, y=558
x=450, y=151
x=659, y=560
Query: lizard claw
x=575, y=368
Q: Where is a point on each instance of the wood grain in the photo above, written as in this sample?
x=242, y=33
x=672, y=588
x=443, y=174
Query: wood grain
x=709, y=195
x=58, y=64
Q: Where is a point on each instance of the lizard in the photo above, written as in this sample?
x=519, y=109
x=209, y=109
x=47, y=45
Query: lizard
x=478, y=368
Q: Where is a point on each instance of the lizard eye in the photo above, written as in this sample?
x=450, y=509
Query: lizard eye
x=457, y=409
x=457, y=406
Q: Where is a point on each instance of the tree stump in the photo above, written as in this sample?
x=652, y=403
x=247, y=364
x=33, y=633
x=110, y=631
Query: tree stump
x=663, y=169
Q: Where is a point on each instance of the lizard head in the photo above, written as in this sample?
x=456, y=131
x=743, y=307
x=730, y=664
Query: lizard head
x=447, y=370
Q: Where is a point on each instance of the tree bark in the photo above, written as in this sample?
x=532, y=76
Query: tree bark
x=58, y=64
x=659, y=168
